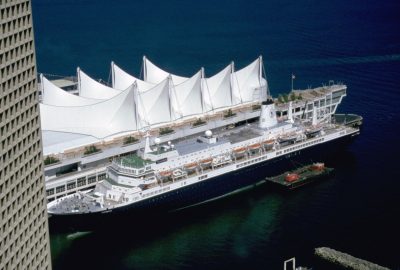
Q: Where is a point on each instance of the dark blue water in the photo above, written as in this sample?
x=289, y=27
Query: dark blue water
x=356, y=42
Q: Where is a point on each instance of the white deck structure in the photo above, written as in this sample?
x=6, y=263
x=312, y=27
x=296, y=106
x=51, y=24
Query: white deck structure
x=104, y=116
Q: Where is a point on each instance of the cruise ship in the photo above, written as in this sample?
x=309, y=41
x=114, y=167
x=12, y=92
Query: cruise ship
x=168, y=142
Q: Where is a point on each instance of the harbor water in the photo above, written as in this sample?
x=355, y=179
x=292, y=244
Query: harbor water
x=355, y=42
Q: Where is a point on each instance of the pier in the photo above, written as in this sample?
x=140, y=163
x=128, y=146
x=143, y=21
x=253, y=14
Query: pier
x=346, y=260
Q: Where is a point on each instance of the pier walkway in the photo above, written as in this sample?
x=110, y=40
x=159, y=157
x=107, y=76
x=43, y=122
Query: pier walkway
x=346, y=260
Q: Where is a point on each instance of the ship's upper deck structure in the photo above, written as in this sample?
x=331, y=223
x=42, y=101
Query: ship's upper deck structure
x=82, y=133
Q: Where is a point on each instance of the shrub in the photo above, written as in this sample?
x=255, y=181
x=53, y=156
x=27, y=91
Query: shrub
x=166, y=130
x=229, y=113
x=292, y=96
x=286, y=97
x=50, y=160
x=199, y=122
x=300, y=97
x=90, y=150
x=130, y=139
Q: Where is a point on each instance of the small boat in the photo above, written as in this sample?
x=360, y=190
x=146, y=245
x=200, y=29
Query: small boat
x=165, y=174
x=255, y=146
x=190, y=166
x=206, y=162
x=288, y=139
x=239, y=150
x=268, y=144
x=301, y=176
x=312, y=132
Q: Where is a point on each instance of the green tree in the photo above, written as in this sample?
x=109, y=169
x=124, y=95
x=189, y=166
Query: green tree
x=292, y=96
x=286, y=97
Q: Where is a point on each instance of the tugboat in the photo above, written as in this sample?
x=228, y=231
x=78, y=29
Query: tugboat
x=301, y=176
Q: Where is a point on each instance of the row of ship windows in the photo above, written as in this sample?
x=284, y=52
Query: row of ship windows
x=203, y=177
x=303, y=145
x=156, y=192
x=251, y=161
x=80, y=182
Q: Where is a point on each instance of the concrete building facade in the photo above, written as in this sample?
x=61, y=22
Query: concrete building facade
x=24, y=234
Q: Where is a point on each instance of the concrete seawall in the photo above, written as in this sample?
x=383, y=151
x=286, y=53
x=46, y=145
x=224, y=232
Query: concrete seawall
x=346, y=260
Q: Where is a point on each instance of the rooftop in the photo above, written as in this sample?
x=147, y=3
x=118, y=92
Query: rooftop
x=133, y=161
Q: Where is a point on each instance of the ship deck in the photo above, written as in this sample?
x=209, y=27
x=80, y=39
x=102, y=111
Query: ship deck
x=71, y=204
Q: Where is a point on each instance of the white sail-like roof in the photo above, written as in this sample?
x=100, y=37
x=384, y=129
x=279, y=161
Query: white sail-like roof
x=246, y=82
x=53, y=95
x=121, y=80
x=90, y=88
x=186, y=97
x=99, y=120
x=217, y=89
x=154, y=74
x=153, y=106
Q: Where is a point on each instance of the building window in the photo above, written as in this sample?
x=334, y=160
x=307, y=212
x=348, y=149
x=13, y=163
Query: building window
x=71, y=185
x=60, y=189
x=91, y=179
x=81, y=181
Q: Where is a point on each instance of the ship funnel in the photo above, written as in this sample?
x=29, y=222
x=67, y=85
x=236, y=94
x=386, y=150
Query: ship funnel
x=290, y=113
x=147, y=148
x=314, y=116
x=268, y=114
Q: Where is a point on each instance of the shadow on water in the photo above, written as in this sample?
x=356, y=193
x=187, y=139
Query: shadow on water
x=242, y=227
x=234, y=225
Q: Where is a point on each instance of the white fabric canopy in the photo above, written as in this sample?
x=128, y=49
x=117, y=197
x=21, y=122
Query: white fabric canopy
x=90, y=88
x=154, y=74
x=217, y=89
x=153, y=106
x=246, y=83
x=122, y=80
x=187, y=97
x=99, y=120
x=53, y=95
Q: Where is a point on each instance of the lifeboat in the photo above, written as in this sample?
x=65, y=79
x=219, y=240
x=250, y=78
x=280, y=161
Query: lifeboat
x=318, y=166
x=165, y=174
x=291, y=138
x=269, y=142
x=312, y=132
x=190, y=166
x=240, y=150
x=255, y=146
x=206, y=161
x=291, y=177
